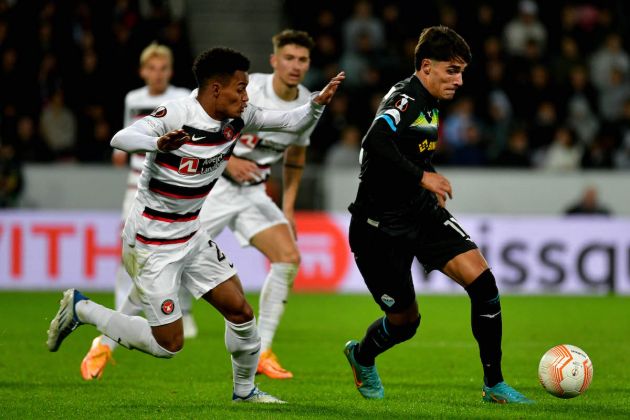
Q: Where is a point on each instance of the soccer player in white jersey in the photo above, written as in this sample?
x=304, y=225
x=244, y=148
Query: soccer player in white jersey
x=188, y=143
x=156, y=70
x=239, y=200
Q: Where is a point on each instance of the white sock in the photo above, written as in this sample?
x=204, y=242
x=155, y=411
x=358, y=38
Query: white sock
x=132, y=332
x=129, y=307
x=273, y=297
x=243, y=343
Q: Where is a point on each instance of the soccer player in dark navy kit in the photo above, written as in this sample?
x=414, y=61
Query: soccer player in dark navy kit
x=399, y=214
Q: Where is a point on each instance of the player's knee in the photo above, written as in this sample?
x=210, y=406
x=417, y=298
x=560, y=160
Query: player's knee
x=289, y=256
x=172, y=344
x=404, y=332
x=483, y=291
x=240, y=313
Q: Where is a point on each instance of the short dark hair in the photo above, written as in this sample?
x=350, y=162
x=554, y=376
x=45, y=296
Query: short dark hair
x=291, y=36
x=441, y=43
x=219, y=62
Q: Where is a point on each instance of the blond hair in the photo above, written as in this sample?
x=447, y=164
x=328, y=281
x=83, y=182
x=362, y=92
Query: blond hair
x=155, y=50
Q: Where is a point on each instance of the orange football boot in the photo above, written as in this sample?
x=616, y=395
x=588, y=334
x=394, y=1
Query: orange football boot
x=268, y=365
x=95, y=360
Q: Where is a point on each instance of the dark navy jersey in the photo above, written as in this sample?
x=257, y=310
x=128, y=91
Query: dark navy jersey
x=395, y=152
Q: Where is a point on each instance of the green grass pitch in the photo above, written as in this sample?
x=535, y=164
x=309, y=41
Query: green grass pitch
x=435, y=375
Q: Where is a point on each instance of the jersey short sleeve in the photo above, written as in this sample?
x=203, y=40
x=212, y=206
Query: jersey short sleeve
x=397, y=109
x=163, y=119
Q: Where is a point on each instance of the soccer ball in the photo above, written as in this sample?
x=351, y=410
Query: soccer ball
x=565, y=371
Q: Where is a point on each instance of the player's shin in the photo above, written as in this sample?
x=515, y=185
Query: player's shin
x=243, y=343
x=128, y=307
x=487, y=324
x=132, y=332
x=381, y=336
x=273, y=298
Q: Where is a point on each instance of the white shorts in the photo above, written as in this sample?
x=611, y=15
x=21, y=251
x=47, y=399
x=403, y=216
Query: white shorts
x=246, y=210
x=158, y=272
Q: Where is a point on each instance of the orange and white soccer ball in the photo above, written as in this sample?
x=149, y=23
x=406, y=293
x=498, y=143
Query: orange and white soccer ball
x=565, y=371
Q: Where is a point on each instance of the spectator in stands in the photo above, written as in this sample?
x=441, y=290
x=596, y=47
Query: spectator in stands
x=563, y=154
x=581, y=106
x=523, y=28
x=30, y=146
x=613, y=95
x=609, y=56
x=516, y=154
x=622, y=156
x=363, y=27
x=59, y=127
x=588, y=204
x=599, y=154
x=11, y=178
x=345, y=152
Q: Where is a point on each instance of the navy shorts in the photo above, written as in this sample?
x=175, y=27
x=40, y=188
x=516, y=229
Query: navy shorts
x=385, y=260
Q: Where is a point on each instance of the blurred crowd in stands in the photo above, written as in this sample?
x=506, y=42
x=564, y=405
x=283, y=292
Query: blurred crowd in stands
x=548, y=87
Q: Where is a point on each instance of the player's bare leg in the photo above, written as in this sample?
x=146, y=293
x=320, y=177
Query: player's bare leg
x=278, y=245
x=471, y=271
x=241, y=339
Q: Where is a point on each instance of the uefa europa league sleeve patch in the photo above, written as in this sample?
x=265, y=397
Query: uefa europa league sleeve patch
x=159, y=112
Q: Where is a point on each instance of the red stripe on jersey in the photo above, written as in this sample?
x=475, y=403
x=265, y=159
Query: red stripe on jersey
x=167, y=166
x=159, y=241
x=173, y=195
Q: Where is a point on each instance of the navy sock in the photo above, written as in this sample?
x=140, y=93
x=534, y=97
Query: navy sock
x=380, y=337
x=487, y=325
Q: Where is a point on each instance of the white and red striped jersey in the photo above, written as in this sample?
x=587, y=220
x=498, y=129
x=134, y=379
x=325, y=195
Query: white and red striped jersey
x=266, y=148
x=138, y=104
x=173, y=185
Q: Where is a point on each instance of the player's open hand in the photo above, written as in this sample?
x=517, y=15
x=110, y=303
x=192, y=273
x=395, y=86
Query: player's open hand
x=328, y=92
x=437, y=184
x=172, y=140
x=243, y=170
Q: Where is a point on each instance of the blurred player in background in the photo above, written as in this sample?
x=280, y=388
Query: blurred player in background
x=239, y=200
x=399, y=213
x=156, y=69
x=188, y=143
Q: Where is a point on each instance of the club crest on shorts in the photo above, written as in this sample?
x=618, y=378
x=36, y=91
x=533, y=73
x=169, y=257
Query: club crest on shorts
x=168, y=306
x=388, y=300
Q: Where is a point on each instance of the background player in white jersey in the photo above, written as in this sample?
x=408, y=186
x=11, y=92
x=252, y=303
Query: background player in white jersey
x=156, y=70
x=188, y=143
x=239, y=200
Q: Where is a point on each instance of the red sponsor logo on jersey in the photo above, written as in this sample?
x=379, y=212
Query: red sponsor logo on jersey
x=188, y=166
x=402, y=104
x=159, y=112
x=168, y=306
x=249, y=140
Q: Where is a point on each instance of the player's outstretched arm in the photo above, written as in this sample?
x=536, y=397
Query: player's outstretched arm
x=172, y=140
x=326, y=94
x=133, y=139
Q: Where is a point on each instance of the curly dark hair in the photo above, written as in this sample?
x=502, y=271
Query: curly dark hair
x=218, y=63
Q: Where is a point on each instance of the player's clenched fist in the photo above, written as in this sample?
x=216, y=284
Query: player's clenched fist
x=172, y=140
x=438, y=184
